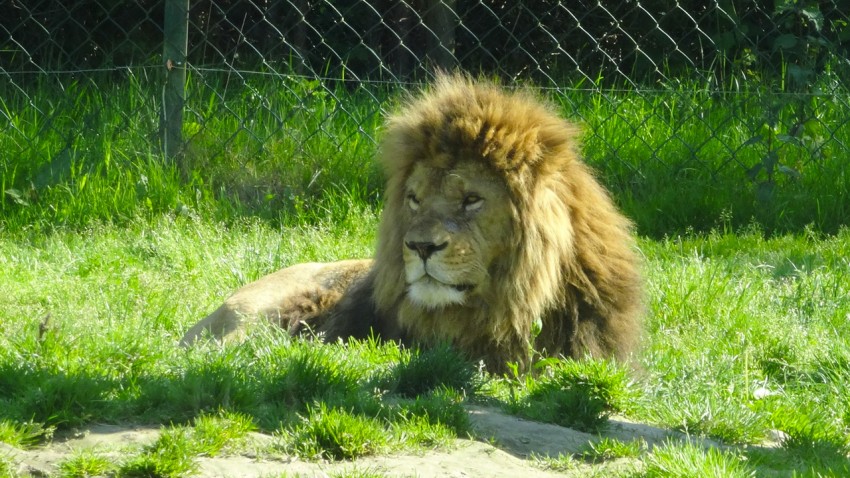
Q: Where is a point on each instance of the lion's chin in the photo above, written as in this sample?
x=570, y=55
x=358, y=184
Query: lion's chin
x=434, y=295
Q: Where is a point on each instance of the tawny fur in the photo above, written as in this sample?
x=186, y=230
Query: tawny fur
x=562, y=258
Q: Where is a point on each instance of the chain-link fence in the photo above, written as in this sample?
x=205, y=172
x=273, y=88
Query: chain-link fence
x=748, y=98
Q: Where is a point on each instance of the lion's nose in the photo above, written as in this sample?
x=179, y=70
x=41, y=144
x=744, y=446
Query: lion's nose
x=424, y=248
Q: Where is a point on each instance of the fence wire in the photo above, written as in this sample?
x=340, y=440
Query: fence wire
x=282, y=93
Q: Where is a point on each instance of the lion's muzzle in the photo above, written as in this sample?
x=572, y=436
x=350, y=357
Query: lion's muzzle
x=432, y=280
x=425, y=248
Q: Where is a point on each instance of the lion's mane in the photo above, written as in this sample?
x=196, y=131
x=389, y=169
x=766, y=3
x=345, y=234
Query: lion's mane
x=573, y=270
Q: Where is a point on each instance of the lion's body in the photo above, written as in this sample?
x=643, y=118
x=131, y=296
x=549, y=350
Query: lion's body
x=290, y=298
x=492, y=228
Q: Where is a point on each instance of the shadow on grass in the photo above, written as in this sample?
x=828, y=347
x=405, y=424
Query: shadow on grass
x=281, y=386
x=274, y=385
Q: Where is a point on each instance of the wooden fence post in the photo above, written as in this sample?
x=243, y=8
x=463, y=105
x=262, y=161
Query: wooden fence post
x=176, y=42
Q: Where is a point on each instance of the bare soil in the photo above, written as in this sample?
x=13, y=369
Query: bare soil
x=505, y=447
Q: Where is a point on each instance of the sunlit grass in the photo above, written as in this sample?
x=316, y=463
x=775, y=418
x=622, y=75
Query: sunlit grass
x=684, y=460
x=743, y=336
x=291, y=150
x=23, y=434
x=580, y=395
x=85, y=463
x=611, y=448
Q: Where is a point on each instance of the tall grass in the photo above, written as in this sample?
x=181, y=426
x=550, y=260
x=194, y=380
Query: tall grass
x=289, y=150
x=687, y=157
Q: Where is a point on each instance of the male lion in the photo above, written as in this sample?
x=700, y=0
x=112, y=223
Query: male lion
x=494, y=237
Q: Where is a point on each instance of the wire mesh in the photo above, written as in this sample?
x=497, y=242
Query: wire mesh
x=690, y=89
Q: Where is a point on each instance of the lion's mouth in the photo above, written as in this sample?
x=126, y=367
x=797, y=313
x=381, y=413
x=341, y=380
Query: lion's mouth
x=463, y=287
x=432, y=293
x=426, y=276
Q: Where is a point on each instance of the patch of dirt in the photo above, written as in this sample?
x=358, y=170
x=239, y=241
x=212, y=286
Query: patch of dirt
x=505, y=449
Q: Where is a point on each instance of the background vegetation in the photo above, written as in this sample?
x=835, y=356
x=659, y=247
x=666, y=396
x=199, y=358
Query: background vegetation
x=677, y=172
x=385, y=39
x=741, y=105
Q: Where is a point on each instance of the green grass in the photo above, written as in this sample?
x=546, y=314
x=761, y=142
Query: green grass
x=716, y=148
x=170, y=456
x=7, y=466
x=290, y=150
x=607, y=457
x=107, y=257
x=85, y=463
x=580, y=395
x=277, y=149
x=23, y=434
x=433, y=369
x=334, y=433
x=611, y=448
x=745, y=336
x=687, y=460
x=175, y=452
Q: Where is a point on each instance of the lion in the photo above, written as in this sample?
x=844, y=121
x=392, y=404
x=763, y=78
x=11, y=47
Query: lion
x=495, y=237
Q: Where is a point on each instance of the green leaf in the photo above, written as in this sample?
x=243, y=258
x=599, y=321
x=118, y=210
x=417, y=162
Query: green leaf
x=753, y=172
x=17, y=197
x=785, y=42
x=814, y=16
x=789, y=171
x=787, y=138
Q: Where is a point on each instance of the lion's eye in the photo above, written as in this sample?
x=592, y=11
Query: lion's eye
x=412, y=201
x=472, y=202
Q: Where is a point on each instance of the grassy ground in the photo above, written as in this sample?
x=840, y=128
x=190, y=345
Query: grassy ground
x=746, y=342
x=107, y=256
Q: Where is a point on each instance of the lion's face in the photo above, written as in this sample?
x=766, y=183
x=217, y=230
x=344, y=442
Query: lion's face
x=458, y=224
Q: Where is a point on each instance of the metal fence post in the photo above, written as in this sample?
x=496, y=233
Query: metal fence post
x=176, y=42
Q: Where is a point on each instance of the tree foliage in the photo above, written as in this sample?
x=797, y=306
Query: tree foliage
x=789, y=41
